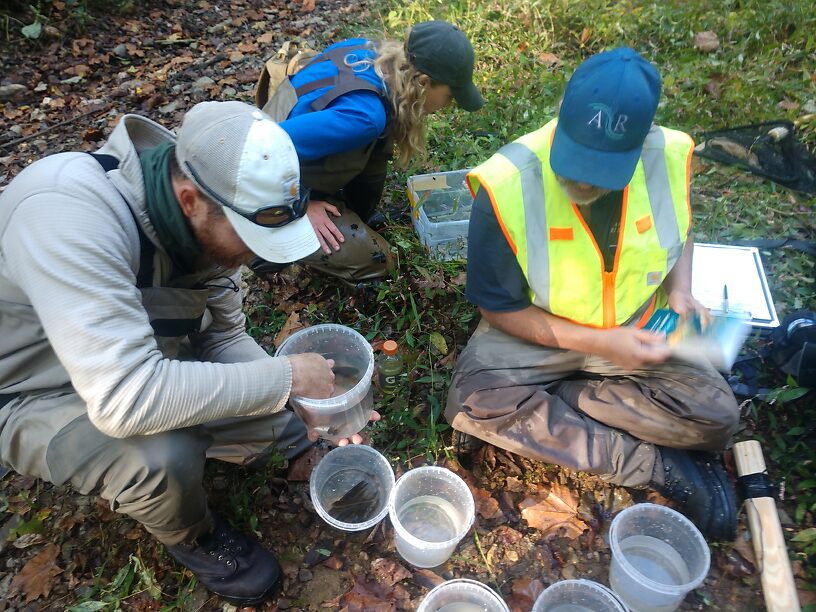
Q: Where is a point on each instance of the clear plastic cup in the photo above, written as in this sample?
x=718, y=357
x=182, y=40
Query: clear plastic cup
x=350, y=487
x=658, y=556
x=577, y=596
x=462, y=595
x=431, y=509
x=347, y=411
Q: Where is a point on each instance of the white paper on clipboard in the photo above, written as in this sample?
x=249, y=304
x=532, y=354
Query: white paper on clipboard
x=740, y=269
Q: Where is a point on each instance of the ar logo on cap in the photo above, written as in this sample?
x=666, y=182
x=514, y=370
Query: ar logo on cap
x=603, y=120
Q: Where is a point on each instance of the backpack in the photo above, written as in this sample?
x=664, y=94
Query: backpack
x=792, y=347
x=274, y=93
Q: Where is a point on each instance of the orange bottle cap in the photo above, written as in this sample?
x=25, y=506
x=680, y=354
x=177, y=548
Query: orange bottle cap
x=389, y=347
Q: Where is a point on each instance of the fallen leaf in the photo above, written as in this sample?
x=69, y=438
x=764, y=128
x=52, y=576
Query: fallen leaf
x=334, y=563
x=292, y=325
x=524, y=592
x=786, y=104
x=267, y=38
x=438, y=342
x=366, y=597
x=301, y=468
x=585, y=35
x=308, y=6
x=36, y=579
x=461, y=278
x=28, y=540
x=551, y=61
x=507, y=536
x=426, y=578
x=555, y=511
x=706, y=41
x=104, y=511
x=733, y=563
x=389, y=571
x=712, y=88
x=486, y=506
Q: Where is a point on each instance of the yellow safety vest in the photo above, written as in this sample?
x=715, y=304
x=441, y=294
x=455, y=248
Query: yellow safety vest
x=557, y=252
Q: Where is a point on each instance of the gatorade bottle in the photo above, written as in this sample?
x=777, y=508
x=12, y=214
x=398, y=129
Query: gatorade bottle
x=390, y=366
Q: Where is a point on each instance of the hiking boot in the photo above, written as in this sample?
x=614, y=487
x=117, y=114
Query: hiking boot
x=265, y=268
x=231, y=565
x=697, y=481
x=465, y=444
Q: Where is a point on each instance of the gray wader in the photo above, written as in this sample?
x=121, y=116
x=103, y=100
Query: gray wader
x=583, y=412
x=154, y=479
x=352, y=181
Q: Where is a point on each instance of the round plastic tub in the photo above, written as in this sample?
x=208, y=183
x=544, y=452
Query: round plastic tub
x=347, y=411
x=658, y=556
x=431, y=509
x=350, y=487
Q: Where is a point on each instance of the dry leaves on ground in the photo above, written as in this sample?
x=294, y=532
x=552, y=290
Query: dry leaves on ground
x=554, y=511
x=36, y=579
x=706, y=41
x=292, y=325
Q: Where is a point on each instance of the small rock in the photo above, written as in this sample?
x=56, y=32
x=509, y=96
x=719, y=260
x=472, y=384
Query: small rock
x=12, y=92
x=203, y=84
x=120, y=50
x=41, y=86
x=169, y=108
x=16, y=130
x=284, y=604
x=511, y=555
x=568, y=572
x=305, y=575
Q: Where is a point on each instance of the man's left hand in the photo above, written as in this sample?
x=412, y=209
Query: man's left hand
x=355, y=439
x=683, y=303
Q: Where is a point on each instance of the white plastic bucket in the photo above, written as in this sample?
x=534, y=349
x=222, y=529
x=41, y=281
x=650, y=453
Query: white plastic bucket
x=348, y=410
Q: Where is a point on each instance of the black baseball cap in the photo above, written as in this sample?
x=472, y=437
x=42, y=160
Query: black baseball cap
x=444, y=53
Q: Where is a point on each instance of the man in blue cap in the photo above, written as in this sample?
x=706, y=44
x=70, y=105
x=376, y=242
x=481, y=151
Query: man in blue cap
x=579, y=232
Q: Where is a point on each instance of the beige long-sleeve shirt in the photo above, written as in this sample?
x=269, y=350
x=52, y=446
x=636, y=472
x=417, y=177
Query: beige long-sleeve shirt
x=70, y=311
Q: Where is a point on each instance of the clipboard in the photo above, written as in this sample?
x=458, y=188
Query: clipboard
x=740, y=269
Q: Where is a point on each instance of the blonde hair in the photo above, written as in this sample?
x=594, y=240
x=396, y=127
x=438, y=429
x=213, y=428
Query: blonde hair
x=405, y=88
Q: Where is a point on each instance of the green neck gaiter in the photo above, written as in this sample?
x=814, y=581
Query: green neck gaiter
x=163, y=209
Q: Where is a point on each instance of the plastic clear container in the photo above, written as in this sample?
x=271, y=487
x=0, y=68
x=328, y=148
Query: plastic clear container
x=347, y=411
x=577, y=596
x=462, y=595
x=431, y=509
x=658, y=556
x=441, y=205
x=350, y=487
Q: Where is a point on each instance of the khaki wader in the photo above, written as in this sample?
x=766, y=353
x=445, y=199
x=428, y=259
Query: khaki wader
x=583, y=412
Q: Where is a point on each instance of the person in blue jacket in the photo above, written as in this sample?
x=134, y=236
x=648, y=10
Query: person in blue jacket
x=351, y=107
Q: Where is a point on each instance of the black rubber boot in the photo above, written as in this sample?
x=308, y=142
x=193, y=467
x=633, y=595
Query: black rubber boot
x=698, y=482
x=464, y=444
x=234, y=566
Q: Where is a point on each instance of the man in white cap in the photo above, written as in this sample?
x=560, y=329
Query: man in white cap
x=114, y=266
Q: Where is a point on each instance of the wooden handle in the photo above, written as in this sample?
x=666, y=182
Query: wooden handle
x=766, y=532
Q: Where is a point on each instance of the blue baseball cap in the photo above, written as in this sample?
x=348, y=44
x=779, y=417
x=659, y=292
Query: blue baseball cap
x=605, y=115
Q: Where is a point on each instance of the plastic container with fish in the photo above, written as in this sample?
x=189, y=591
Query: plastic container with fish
x=347, y=411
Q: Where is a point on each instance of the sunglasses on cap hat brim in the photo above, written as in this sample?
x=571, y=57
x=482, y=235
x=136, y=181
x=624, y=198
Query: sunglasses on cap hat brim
x=274, y=215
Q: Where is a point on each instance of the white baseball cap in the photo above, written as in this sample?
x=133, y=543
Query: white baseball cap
x=238, y=156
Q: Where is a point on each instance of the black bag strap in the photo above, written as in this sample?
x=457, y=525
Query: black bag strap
x=806, y=246
x=144, y=278
x=345, y=81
